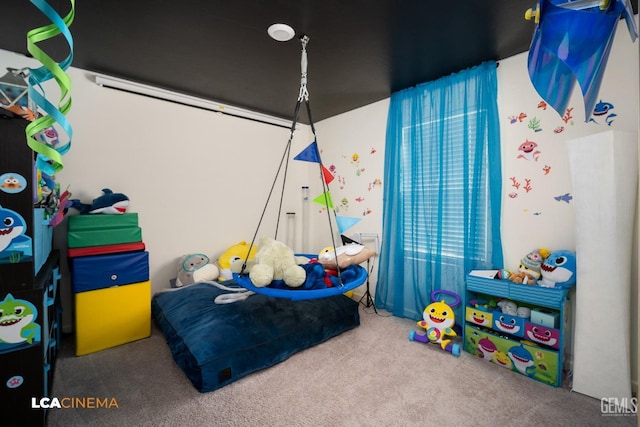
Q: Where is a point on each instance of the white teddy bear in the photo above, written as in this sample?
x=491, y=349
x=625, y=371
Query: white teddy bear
x=275, y=261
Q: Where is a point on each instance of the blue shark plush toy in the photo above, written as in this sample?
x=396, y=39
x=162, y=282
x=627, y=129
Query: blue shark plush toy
x=108, y=203
x=559, y=270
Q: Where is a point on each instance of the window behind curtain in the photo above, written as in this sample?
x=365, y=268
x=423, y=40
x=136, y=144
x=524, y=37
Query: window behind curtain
x=429, y=210
x=442, y=193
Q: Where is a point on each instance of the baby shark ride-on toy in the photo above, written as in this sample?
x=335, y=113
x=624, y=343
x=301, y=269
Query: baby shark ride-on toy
x=439, y=320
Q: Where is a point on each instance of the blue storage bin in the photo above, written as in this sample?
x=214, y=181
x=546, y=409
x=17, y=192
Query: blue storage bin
x=539, y=295
x=497, y=287
x=104, y=271
x=507, y=323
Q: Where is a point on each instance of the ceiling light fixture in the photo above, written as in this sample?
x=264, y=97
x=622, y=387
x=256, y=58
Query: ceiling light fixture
x=281, y=32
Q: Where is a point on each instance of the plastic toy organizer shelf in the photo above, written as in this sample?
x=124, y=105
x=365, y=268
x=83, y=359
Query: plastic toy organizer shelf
x=531, y=346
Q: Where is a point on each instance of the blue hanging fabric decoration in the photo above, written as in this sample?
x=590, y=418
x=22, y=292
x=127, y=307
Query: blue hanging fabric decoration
x=572, y=44
x=49, y=158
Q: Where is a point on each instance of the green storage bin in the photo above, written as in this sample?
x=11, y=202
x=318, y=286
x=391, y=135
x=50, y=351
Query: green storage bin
x=106, y=236
x=102, y=221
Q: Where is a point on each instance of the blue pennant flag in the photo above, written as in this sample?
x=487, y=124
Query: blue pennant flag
x=345, y=223
x=309, y=154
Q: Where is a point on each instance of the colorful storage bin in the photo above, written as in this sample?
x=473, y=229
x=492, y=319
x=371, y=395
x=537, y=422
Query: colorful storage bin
x=527, y=359
x=113, y=316
x=544, y=317
x=103, y=271
x=541, y=334
x=507, y=323
x=479, y=315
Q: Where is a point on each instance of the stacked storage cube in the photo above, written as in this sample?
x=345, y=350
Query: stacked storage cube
x=110, y=281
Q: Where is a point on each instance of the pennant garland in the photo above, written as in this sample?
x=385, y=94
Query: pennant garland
x=311, y=154
x=49, y=158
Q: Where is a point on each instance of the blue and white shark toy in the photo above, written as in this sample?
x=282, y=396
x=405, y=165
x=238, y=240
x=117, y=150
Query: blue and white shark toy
x=13, y=241
x=559, y=270
x=108, y=203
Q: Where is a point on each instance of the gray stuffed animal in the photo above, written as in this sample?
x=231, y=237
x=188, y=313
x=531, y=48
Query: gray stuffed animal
x=195, y=268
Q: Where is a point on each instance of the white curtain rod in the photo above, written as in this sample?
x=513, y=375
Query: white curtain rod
x=191, y=101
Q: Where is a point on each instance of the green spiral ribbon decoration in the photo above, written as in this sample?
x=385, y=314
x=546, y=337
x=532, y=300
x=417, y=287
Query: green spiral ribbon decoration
x=49, y=159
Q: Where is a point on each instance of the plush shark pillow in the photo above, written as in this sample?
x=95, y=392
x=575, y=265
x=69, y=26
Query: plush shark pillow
x=108, y=203
x=559, y=270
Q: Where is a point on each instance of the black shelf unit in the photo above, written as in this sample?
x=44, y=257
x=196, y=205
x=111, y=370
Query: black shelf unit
x=30, y=307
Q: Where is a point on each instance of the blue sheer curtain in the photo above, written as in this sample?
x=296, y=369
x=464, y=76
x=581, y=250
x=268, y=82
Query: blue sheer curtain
x=442, y=189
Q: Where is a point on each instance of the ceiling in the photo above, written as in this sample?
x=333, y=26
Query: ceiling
x=359, y=51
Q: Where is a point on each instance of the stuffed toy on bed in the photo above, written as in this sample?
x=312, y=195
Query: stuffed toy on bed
x=276, y=261
x=232, y=259
x=350, y=254
x=194, y=268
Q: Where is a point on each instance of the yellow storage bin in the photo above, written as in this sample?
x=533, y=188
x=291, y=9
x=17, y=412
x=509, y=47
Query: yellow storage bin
x=479, y=315
x=109, y=317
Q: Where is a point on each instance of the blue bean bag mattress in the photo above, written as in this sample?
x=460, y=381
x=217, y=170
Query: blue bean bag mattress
x=218, y=344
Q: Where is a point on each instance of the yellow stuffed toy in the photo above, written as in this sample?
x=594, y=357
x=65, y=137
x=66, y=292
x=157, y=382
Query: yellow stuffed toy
x=232, y=259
